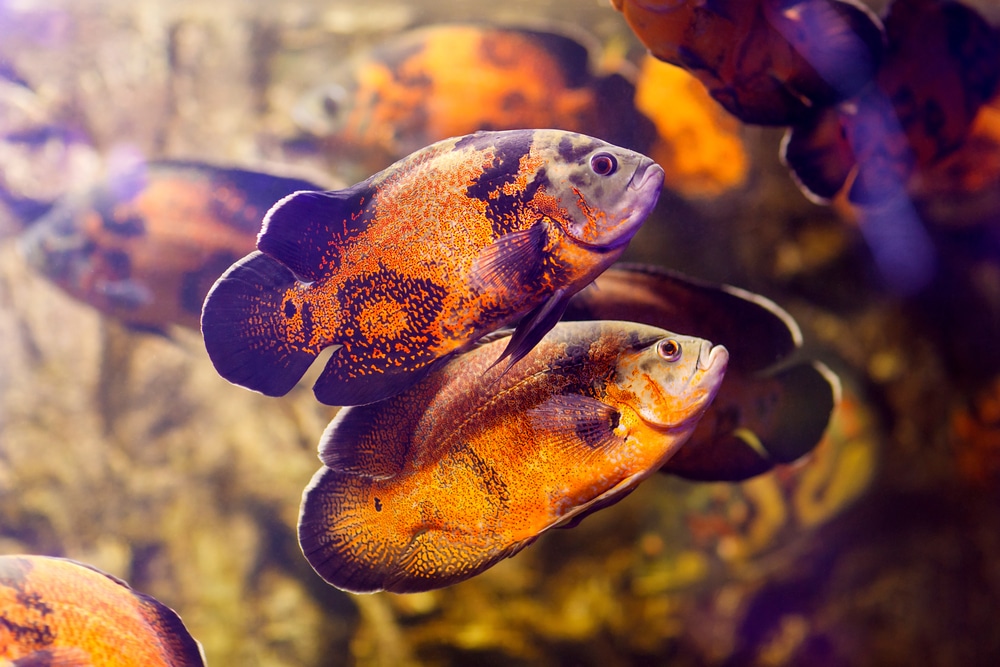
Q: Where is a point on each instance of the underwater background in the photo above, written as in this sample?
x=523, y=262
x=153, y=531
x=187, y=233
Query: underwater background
x=123, y=448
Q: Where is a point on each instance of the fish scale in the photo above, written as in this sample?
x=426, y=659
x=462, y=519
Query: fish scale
x=55, y=611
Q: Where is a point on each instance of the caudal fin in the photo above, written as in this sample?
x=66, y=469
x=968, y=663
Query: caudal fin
x=243, y=326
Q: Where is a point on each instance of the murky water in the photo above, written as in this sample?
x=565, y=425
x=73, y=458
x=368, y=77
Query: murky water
x=126, y=450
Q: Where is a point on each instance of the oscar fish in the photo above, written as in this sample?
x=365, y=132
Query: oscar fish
x=768, y=62
x=770, y=410
x=471, y=465
x=698, y=144
x=417, y=262
x=60, y=613
x=941, y=66
x=448, y=80
x=147, y=243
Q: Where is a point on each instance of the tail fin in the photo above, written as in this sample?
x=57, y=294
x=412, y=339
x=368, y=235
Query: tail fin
x=242, y=325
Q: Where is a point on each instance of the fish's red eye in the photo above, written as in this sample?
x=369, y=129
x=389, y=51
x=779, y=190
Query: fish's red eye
x=604, y=164
x=669, y=349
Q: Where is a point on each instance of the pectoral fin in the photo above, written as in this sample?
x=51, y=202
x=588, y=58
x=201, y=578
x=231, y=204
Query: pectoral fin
x=511, y=262
x=578, y=422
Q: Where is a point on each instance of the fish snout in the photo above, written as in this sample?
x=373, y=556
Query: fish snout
x=648, y=176
x=713, y=358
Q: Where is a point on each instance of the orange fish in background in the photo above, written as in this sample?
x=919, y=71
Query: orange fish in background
x=448, y=80
x=698, y=144
x=769, y=409
x=941, y=65
x=472, y=464
x=975, y=436
x=767, y=62
x=146, y=244
x=422, y=259
x=59, y=613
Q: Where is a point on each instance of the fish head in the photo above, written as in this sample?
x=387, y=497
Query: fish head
x=671, y=381
x=322, y=111
x=603, y=192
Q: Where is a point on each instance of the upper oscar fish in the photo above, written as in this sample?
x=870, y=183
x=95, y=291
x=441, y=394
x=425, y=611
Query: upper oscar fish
x=472, y=464
x=60, y=613
x=419, y=261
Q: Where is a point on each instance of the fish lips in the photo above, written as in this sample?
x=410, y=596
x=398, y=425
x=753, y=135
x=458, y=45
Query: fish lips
x=641, y=193
x=639, y=198
x=647, y=178
x=713, y=358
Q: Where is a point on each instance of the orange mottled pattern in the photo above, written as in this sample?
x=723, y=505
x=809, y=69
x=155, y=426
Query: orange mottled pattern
x=444, y=232
x=64, y=608
x=456, y=473
x=506, y=81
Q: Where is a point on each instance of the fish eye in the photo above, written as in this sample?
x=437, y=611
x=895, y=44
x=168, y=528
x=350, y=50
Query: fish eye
x=604, y=164
x=669, y=349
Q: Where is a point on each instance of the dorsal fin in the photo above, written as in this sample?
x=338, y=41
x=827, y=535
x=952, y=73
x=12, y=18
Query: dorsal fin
x=299, y=229
x=359, y=441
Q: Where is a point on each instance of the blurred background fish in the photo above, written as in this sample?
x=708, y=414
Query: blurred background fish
x=941, y=66
x=147, y=243
x=767, y=62
x=453, y=79
x=59, y=613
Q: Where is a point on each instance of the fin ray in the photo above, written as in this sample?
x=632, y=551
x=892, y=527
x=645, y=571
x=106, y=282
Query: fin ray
x=581, y=422
x=510, y=262
x=297, y=229
x=533, y=327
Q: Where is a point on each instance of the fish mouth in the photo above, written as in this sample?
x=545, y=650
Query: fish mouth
x=647, y=176
x=713, y=358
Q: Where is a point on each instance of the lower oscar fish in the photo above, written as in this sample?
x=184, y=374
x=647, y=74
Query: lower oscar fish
x=59, y=613
x=772, y=409
x=472, y=464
